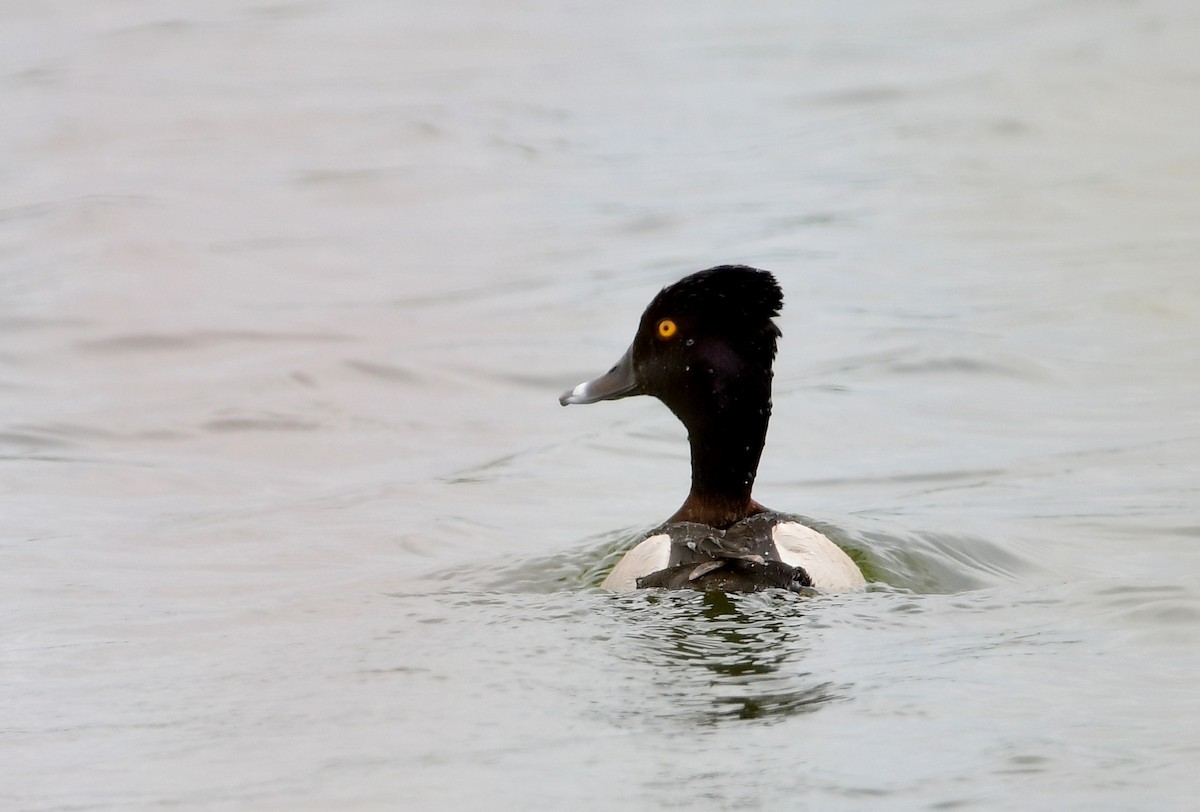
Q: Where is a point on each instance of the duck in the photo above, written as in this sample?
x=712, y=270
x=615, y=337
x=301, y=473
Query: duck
x=705, y=347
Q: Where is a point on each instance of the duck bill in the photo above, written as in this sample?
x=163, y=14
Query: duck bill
x=618, y=382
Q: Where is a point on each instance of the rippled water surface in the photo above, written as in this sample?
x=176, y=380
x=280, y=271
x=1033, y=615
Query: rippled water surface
x=290, y=517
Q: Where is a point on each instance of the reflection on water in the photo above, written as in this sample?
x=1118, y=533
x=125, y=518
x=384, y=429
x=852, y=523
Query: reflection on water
x=728, y=656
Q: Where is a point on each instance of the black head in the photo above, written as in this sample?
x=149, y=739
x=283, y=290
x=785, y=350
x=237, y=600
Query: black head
x=709, y=338
x=703, y=341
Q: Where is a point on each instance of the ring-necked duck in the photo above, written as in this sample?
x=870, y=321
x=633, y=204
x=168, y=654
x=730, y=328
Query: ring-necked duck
x=705, y=347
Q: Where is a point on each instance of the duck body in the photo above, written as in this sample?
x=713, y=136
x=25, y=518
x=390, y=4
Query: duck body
x=662, y=559
x=705, y=347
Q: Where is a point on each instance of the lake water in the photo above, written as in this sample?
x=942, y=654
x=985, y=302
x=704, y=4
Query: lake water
x=290, y=517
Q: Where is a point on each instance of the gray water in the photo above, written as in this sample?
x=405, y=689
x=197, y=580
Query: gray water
x=290, y=517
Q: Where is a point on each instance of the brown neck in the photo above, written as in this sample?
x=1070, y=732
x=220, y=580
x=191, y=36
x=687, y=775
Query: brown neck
x=718, y=513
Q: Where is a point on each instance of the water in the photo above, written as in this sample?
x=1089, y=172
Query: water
x=291, y=518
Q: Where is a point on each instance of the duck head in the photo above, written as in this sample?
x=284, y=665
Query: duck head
x=705, y=347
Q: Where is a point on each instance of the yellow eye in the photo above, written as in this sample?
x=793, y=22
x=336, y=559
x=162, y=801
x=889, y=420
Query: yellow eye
x=667, y=328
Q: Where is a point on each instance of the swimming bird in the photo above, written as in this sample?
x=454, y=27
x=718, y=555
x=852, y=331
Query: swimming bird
x=705, y=347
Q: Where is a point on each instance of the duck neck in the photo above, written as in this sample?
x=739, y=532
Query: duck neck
x=726, y=447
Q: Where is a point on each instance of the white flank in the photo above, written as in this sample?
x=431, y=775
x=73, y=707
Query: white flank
x=651, y=555
x=829, y=567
